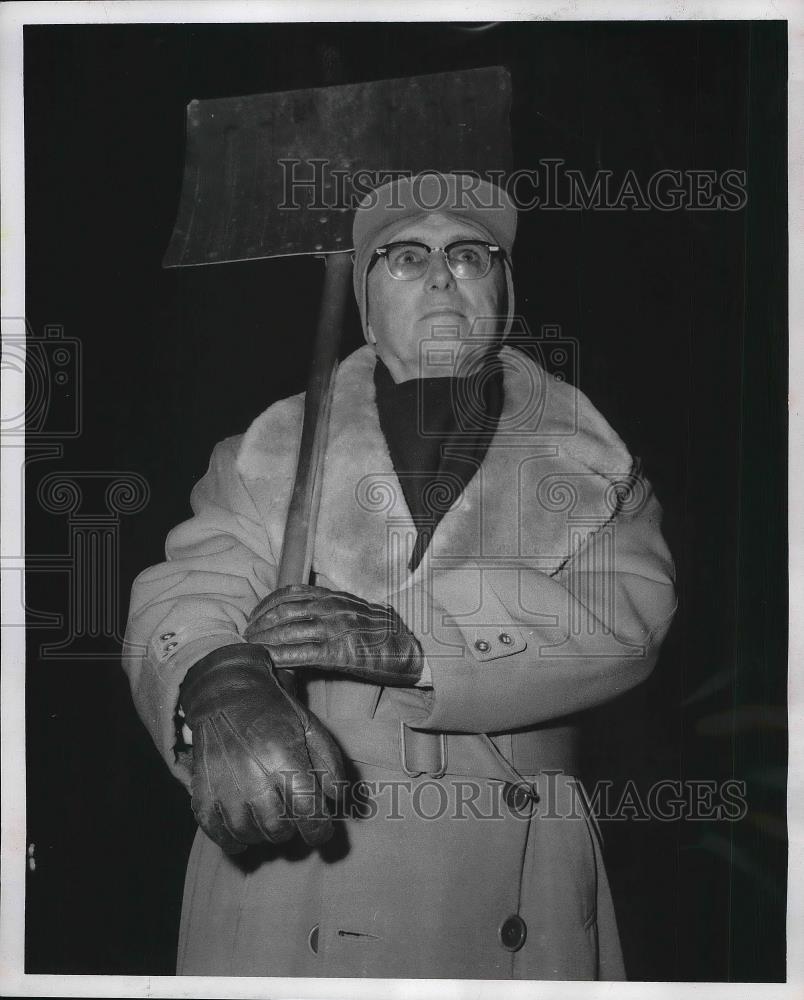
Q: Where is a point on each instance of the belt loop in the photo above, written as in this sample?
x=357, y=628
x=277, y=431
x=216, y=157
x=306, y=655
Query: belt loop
x=403, y=754
x=442, y=770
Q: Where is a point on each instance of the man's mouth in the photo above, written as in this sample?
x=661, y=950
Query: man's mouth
x=443, y=311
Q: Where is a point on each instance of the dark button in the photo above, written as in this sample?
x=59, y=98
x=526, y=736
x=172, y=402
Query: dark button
x=482, y=646
x=513, y=932
x=312, y=940
x=506, y=639
x=520, y=797
x=166, y=635
x=171, y=645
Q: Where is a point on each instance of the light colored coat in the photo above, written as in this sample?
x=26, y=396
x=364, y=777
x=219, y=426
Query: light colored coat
x=547, y=589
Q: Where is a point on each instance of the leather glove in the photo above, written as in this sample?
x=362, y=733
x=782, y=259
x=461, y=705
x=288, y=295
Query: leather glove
x=312, y=627
x=255, y=749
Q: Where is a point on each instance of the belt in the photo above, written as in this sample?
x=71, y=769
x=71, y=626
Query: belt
x=395, y=746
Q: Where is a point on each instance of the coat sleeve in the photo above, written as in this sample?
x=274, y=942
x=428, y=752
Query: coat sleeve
x=219, y=565
x=509, y=645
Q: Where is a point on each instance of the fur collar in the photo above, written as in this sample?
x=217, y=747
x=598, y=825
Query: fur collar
x=546, y=482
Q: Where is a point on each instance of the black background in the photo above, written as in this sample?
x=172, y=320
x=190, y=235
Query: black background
x=680, y=324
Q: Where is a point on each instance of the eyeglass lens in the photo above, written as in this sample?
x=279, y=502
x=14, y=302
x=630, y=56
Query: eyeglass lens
x=465, y=259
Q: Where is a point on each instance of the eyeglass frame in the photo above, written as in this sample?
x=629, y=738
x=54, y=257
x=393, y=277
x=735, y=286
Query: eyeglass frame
x=382, y=251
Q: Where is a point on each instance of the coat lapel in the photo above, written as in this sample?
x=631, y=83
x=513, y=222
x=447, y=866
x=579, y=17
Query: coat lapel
x=545, y=483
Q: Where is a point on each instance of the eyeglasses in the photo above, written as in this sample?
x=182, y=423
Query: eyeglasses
x=466, y=259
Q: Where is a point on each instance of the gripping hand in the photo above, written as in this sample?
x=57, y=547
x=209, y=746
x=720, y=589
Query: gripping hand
x=262, y=763
x=311, y=627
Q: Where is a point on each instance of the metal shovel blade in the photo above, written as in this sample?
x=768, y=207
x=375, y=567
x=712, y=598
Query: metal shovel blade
x=274, y=175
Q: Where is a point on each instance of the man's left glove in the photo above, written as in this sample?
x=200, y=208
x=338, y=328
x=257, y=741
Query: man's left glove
x=312, y=627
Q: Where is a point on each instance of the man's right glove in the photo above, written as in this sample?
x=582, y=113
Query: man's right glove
x=262, y=763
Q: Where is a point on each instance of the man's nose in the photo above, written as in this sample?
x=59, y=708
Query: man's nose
x=438, y=273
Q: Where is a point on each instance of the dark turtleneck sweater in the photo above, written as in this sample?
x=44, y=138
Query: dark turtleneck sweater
x=438, y=431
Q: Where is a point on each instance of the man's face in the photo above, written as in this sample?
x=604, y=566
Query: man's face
x=403, y=314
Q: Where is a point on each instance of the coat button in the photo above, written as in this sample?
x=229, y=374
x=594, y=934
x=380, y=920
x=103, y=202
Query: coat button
x=171, y=645
x=482, y=646
x=513, y=932
x=312, y=940
x=166, y=635
x=505, y=639
x=520, y=797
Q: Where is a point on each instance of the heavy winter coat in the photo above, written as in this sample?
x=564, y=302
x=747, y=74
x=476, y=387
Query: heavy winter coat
x=546, y=589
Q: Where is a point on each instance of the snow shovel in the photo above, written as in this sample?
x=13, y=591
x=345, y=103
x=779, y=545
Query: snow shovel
x=276, y=175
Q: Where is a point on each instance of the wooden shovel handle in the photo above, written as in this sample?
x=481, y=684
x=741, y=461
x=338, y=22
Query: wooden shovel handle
x=297, y=545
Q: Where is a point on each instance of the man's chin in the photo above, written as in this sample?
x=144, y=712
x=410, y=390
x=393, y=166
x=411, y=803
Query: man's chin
x=449, y=356
x=445, y=326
